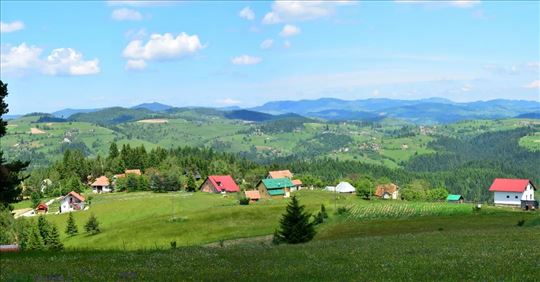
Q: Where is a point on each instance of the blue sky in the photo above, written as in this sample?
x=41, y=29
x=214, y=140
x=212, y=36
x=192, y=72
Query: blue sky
x=92, y=54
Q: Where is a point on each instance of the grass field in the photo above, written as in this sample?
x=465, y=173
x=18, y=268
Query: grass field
x=488, y=247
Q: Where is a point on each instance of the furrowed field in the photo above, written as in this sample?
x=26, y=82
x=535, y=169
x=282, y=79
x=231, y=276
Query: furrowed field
x=374, y=240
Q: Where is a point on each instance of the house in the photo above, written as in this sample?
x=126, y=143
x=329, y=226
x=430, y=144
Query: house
x=387, y=191
x=219, y=184
x=280, y=174
x=72, y=202
x=42, y=208
x=253, y=195
x=275, y=187
x=128, y=171
x=452, y=198
x=101, y=185
x=297, y=184
x=342, y=187
x=514, y=192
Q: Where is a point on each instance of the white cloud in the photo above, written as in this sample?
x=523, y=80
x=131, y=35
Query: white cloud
x=125, y=14
x=289, y=30
x=133, y=34
x=266, y=44
x=246, y=60
x=67, y=61
x=228, y=101
x=283, y=11
x=11, y=27
x=163, y=47
x=454, y=3
x=61, y=61
x=135, y=65
x=247, y=14
x=533, y=85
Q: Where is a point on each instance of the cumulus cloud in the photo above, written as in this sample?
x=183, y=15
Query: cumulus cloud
x=245, y=60
x=247, y=14
x=125, y=14
x=289, y=30
x=61, y=61
x=533, y=85
x=163, y=47
x=11, y=27
x=266, y=44
x=135, y=65
x=228, y=101
x=288, y=11
x=67, y=61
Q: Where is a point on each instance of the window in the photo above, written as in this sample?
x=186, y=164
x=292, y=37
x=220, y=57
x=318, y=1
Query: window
x=508, y=196
x=516, y=197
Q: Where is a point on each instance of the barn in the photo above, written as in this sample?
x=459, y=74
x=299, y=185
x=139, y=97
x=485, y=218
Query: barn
x=453, y=198
x=514, y=192
x=219, y=184
x=275, y=187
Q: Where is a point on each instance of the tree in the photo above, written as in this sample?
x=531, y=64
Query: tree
x=71, y=226
x=7, y=234
x=295, y=226
x=364, y=188
x=92, y=225
x=113, y=151
x=35, y=241
x=53, y=242
x=191, y=184
x=44, y=228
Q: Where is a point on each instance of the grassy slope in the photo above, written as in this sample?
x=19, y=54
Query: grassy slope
x=468, y=248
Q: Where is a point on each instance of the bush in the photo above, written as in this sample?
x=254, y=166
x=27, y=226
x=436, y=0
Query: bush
x=173, y=244
x=342, y=211
x=244, y=201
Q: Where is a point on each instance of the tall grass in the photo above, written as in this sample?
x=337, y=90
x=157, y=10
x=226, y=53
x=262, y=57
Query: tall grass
x=406, y=209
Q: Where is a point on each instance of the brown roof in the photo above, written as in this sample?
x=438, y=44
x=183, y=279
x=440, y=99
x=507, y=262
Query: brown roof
x=388, y=188
x=253, y=195
x=297, y=182
x=76, y=195
x=281, y=174
x=101, y=181
x=133, y=171
x=120, y=175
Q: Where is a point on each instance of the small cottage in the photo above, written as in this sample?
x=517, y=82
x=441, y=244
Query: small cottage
x=219, y=184
x=514, y=192
x=253, y=195
x=73, y=201
x=101, y=185
x=280, y=174
x=297, y=184
x=42, y=208
x=453, y=198
x=387, y=191
x=275, y=187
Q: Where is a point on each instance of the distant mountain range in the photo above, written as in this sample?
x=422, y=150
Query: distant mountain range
x=425, y=111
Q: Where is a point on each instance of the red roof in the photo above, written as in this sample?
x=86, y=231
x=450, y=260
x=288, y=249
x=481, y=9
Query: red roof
x=253, y=195
x=224, y=182
x=101, y=181
x=42, y=206
x=76, y=195
x=509, y=185
x=297, y=182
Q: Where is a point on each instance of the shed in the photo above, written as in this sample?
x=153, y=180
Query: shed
x=253, y=195
x=453, y=198
x=42, y=208
x=342, y=187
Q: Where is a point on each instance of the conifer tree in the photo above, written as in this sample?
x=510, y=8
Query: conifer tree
x=92, y=225
x=35, y=241
x=53, y=242
x=295, y=226
x=71, y=228
x=191, y=183
x=44, y=228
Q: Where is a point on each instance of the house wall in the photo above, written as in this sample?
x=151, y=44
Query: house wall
x=104, y=189
x=65, y=204
x=262, y=191
x=507, y=198
x=208, y=187
x=528, y=194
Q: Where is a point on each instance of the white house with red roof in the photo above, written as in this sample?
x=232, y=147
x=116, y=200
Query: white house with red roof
x=73, y=201
x=219, y=184
x=513, y=192
x=101, y=185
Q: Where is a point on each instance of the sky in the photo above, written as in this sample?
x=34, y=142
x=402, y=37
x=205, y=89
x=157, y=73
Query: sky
x=92, y=54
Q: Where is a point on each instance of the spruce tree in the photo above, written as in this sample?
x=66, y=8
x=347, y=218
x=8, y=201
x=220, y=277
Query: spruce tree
x=92, y=226
x=71, y=227
x=295, y=225
x=44, y=228
x=35, y=241
x=53, y=242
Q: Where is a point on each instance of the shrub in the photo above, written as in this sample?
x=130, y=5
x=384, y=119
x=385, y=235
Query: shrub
x=92, y=225
x=71, y=227
x=342, y=210
x=244, y=201
x=173, y=244
x=521, y=222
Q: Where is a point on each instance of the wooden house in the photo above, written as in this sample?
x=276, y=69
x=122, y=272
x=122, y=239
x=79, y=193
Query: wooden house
x=280, y=174
x=275, y=187
x=453, y=198
x=387, y=191
x=42, y=208
x=219, y=184
x=253, y=195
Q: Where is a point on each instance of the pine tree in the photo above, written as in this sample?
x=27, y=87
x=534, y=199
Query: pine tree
x=71, y=228
x=53, y=242
x=44, y=228
x=92, y=226
x=295, y=225
x=113, y=151
x=191, y=183
x=35, y=241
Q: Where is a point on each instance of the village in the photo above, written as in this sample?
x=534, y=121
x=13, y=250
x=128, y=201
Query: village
x=511, y=193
